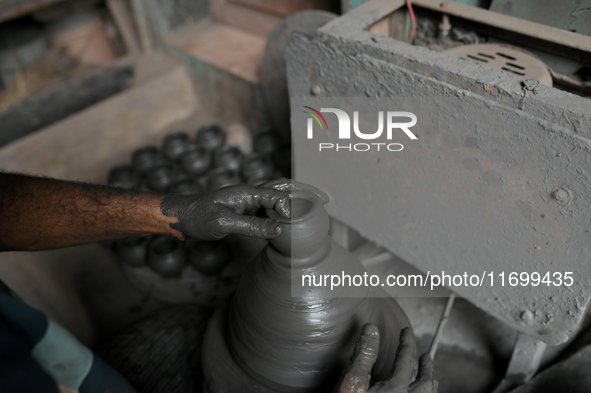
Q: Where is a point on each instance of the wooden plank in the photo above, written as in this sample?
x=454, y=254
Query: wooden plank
x=141, y=17
x=511, y=24
x=261, y=16
x=285, y=8
x=123, y=18
x=234, y=50
x=243, y=17
x=85, y=145
x=55, y=103
x=11, y=9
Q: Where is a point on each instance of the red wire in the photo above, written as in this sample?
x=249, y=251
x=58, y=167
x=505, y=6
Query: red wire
x=413, y=20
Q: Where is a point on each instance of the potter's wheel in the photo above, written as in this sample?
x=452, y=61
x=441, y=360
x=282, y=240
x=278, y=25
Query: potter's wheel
x=271, y=341
x=222, y=372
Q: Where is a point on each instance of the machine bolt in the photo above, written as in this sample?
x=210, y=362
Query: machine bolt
x=316, y=90
x=562, y=195
x=526, y=316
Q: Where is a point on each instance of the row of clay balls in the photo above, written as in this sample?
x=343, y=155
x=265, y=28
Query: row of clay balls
x=188, y=167
x=168, y=256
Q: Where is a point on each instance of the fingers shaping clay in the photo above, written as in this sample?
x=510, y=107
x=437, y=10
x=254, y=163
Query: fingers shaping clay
x=265, y=340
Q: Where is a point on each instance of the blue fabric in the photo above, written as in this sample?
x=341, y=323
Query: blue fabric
x=4, y=288
x=19, y=372
x=31, y=323
x=36, y=354
x=63, y=357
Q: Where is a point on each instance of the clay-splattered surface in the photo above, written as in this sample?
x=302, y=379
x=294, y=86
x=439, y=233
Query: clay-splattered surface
x=478, y=190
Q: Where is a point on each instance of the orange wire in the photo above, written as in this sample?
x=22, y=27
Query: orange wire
x=413, y=20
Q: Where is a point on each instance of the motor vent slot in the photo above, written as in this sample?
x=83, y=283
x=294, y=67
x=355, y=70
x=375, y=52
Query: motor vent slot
x=506, y=58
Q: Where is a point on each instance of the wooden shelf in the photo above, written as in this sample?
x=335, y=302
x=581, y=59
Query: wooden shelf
x=11, y=9
x=229, y=48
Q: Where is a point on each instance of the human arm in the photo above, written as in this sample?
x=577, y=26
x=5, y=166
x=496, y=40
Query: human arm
x=41, y=213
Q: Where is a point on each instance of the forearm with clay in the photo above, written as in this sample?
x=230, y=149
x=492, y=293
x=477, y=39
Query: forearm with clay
x=41, y=213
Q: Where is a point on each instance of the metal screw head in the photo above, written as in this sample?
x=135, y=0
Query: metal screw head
x=530, y=84
x=526, y=316
x=562, y=195
x=316, y=90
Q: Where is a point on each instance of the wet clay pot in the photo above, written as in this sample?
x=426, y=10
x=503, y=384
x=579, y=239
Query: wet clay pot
x=257, y=166
x=145, y=158
x=167, y=256
x=186, y=187
x=266, y=142
x=211, y=137
x=208, y=257
x=229, y=157
x=161, y=177
x=196, y=161
x=221, y=178
x=265, y=340
x=175, y=144
x=124, y=176
x=132, y=251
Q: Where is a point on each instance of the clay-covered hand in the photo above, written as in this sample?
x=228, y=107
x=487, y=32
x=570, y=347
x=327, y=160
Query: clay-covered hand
x=356, y=378
x=284, y=184
x=214, y=215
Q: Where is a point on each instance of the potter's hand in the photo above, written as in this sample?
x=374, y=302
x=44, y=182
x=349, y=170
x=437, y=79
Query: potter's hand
x=213, y=215
x=284, y=184
x=356, y=378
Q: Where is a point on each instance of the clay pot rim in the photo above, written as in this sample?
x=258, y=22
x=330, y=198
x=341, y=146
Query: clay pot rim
x=209, y=131
x=193, y=149
x=226, y=149
x=298, y=194
x=222, y=170
x=176, y=243
x=176, y=134
x=123, y=168
x=196, y=246
x=191, y=180
x=256, y=157
x=133, y=241
x=208, y=126
x=145, y=149
x=160, y=166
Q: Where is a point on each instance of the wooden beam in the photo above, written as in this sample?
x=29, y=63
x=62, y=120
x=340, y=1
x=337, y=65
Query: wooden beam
x=85, y=145
x=123, y=19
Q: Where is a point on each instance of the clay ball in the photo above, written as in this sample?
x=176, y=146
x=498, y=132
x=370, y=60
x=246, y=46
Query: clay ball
x=211, y=137
x=145, y=158
x=167, y=256
x=124, y=176
x=175, y=144
x=208, y=257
